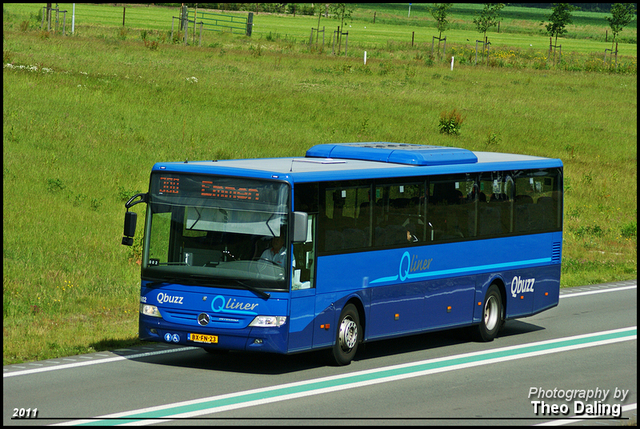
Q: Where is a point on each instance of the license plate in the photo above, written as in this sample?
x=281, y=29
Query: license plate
x=201, y=338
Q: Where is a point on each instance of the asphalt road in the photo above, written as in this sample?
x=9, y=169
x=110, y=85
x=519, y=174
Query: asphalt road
x=575, y=364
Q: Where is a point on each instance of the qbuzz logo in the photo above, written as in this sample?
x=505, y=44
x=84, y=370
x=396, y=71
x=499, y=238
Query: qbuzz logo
x=519, y=285
x=171, y=299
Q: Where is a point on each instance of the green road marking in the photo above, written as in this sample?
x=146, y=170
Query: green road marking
x=301, y=389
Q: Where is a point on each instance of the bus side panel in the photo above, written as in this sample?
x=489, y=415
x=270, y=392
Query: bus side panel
x=326, y=317
x=439, y=285
x=413, y=307
x=547, y=291
x=528, y=291
x=397, y=309
x=450, y=302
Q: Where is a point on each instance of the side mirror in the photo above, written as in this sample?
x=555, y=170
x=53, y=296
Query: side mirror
x=300, y=227
x=130, y=219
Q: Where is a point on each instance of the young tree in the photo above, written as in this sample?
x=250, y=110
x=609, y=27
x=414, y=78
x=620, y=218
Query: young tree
x=560, y=17
x=342, y=12
x=488, y=17
x=621, y=15
x=439, y=11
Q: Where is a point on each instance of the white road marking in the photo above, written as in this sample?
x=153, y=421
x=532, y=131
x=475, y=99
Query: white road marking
x=617, y=289
x=94, y=362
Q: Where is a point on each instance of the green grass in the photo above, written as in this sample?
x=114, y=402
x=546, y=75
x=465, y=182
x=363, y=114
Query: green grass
x=86, y=117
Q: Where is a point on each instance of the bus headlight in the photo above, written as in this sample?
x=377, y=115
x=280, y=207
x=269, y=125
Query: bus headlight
x=149, y=310
x=268, y=321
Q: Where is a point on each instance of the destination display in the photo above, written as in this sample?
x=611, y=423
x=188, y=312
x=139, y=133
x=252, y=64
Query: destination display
x=194, y=186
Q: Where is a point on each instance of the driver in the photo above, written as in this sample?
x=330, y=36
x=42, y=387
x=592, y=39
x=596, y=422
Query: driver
x=277, y=253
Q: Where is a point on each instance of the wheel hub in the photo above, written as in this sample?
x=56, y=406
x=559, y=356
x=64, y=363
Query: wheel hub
x=348, y=334
x=491, y=313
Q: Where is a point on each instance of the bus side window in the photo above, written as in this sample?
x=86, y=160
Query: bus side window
x=452, y=207
x=345, y=219
x=399, y=214
x=537, y=202
x=494, y=216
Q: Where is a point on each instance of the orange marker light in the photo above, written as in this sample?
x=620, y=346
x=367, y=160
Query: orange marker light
x=479, y=303
x=546, y=294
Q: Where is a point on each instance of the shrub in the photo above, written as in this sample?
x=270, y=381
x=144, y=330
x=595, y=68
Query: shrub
x=629, y=230
x=151, y=44
x=55, y=185
x=451, y=122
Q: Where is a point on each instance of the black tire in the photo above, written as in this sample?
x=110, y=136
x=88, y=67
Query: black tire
x=492, y=315
x=348, y=336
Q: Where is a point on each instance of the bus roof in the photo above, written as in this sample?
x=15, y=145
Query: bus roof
x=346, y=161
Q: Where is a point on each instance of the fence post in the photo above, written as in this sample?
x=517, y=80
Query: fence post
x=333, y=46
x=476, y=53
x=560, y=54
x=250, y=23
x=346, y=42
x=413, y=35
x=444, y=48
x=201, y=24
x=185, y=18
x=182, y=14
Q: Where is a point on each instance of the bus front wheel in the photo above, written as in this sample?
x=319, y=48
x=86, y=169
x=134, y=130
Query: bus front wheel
x=492, y=315
x=347, y=336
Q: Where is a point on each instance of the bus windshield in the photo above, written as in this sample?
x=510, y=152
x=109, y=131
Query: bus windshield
x=217, y=231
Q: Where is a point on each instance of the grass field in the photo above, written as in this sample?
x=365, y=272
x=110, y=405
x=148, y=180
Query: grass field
x=85, y=118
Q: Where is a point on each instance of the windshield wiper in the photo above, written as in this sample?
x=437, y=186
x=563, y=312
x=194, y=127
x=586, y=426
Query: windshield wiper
x=200, y=281
x=261, y=293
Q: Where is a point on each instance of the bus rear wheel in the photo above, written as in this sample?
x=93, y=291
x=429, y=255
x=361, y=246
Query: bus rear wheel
x=492, y=315
x=347, y=336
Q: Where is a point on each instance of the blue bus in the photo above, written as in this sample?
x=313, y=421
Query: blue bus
x=353, y=242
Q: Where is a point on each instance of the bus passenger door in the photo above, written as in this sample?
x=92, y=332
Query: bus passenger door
x=301, y=318
x=303, y=292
